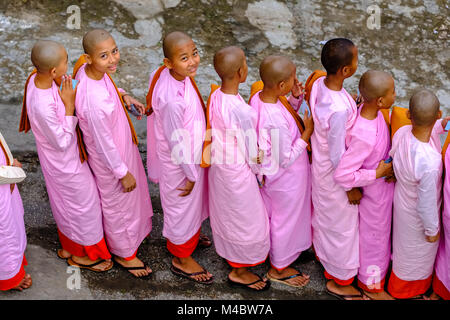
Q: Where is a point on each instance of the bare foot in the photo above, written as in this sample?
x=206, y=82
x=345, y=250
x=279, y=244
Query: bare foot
x=335, y=288
x=25, y=283
x=104, y=266
x=134, y=263
x=299, y=281
x=383, y=295
x=435, y=296
x=189, y=265
x=63, y=254
x=242, y=275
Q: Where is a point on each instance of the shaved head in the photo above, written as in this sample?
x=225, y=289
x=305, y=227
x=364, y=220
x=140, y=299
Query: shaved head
x=274, y=69
x=172, y=41
x=375, y=84
x=94, y=37
x=228, y=61
x=424, y=108
x=47, y=54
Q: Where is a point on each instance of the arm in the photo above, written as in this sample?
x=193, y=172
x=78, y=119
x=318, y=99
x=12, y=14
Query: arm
x=296, y=102
x=289, y=152
x=172, y=118
x=427, y=205
x=336, y=136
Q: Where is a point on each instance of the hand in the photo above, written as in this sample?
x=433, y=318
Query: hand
x=433, y=238
x=187, y=188
x=128, y=182
x=309, y=126
x=67, y=95
x=298, y=89
x=354, y=196
x=129, y=100
x=16, y=163
x=259, y=158
x=444, y=122
x=384, y=169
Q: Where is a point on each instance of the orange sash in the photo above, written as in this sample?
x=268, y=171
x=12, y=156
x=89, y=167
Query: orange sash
x=310, y=81
x=206, y=153
x=78, y=64
x=258, y=86
x=25, y=126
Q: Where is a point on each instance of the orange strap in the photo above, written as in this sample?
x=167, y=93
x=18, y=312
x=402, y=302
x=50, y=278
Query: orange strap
x=25, y=126
x=310, y=81
x=206, y=153
x=82, y=60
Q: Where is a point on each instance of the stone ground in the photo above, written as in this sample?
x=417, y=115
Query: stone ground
x=412, y=43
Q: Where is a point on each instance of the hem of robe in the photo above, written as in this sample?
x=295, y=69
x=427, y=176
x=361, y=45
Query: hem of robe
x=440, y=289
x=13, y=282
x=373, y=288
x=281, y=265
x=244, y=265
x=402, y=289
x=125, y=253
x=345, y=282
x=186, y=249
x=131, y=257
x=94, y=252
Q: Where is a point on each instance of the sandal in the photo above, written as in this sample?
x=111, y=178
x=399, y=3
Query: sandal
x=204, y=241
x=144, y=267
x=344, y=296
x=189, y=276
x=283, y=280
x=247, y=285
x=70, y=262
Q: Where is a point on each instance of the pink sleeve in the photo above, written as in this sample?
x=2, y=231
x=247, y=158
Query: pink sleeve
x=104, y=143
x=172, y=118
x=59, y=135
x=349, y=173
x=296, y=102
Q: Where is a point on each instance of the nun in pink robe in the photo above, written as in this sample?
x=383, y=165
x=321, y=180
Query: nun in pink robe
x=13, y=238
x=111, y=154
x=441, y=280
x=239, y=220
x=176, y=129
x=71, y=188
x=334, y=219
x=417, y=200
x=369, y=143
x=287, y=189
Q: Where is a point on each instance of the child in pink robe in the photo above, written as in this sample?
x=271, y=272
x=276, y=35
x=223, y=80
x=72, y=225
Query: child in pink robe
x=287, y=174
x=178, y=124
x=363, y=165
x=113, y=153
x=417, y=161
x=334, y=219
x=71, y=188
x=238, y=216
x=13, y=238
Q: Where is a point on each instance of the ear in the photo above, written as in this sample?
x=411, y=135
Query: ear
x=439, y=114
x=168, y=63
x=345, y=70
x=408, y=114
x=88, y=58
x=53, y=72
x=380, y=102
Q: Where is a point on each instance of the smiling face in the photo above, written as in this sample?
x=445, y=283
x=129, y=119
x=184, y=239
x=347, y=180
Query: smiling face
x=184, y=60
x=104, y=57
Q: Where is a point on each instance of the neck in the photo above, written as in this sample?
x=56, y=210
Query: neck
x=176, y=76
x=230, y=87
x=92, y=73
x=43, y=81
x=422, y=133
x=334, y=82
x=369, y=110
x=268, y=96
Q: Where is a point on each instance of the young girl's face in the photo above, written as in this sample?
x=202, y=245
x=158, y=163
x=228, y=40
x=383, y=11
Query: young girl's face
x=105, y=57
x=184, y=61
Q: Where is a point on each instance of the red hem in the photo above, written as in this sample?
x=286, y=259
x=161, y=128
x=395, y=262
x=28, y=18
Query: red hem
x=402, y=289
x=374, y=288
x=8, y=284
x=131, y=257
x=339, y=281
x=186, y=249
x=243, y=265
x=440, y=289
x=94, y=252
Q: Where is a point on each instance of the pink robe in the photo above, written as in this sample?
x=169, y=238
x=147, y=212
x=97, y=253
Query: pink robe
x=239, y=220
x=177, y=124
x=13, y=238
x=442, y=266
x=111, y=154
x=417, y=198
x=287, y=189
x=369, y=143
x=334, y=220
x=71, y=188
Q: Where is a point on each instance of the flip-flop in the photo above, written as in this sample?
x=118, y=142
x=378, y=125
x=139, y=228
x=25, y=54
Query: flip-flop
x=144, y=267
x=58, y=253
x=344, y=296
x=419, y=297
x=247, y=285
x=283, y=280
x=70, y=262
x=204, y=241
x=189, y=276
